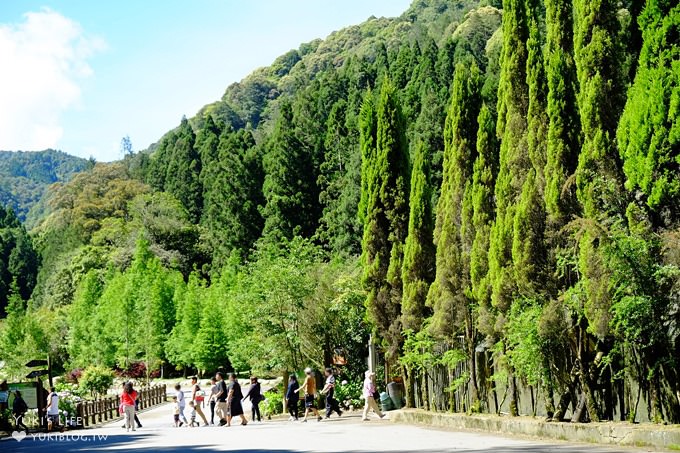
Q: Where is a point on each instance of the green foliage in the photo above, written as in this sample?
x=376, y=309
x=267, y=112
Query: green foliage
x=419, y=251
x=385, y=189
x=453, y=235
x=562, y=110
x=273, y=403
x=233, y=196
x=514, y=161
x=184, y=170
x=26, y=176
x=18, y=260
x=483, y=179
x=524, y=342
x=96, y=380
x=287, y=184
x=649, y=131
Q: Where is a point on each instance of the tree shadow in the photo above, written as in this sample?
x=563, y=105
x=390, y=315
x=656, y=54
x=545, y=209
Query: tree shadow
x=87, y=442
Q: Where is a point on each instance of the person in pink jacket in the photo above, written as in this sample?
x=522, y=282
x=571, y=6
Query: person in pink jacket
x=369, y=391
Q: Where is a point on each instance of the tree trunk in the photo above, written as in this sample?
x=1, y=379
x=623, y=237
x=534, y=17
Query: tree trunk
x=580, y=413
x=424, y=391
x=474, y=389
x=409, y=386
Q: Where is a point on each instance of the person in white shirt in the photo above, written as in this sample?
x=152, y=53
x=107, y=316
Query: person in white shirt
x=52, y=409
x=181, y=402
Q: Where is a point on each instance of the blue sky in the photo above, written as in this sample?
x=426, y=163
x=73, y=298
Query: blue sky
x=79, y=75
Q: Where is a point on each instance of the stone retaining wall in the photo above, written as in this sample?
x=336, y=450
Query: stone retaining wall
x=613, y=433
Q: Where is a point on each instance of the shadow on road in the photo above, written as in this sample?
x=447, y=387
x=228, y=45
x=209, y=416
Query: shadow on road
x=83, y=441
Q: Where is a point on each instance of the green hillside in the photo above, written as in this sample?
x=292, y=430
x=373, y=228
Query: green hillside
x=26, y=175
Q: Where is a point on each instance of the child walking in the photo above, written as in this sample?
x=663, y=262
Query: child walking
x=175, y=410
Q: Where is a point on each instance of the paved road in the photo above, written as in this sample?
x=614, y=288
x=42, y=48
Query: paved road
x=345, y=435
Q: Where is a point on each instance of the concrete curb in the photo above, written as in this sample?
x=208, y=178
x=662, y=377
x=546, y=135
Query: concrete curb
x=613, y=433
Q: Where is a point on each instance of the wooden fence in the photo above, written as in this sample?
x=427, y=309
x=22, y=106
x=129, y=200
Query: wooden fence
x=106, y=409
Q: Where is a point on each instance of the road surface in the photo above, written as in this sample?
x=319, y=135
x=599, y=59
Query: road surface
x=337, y=435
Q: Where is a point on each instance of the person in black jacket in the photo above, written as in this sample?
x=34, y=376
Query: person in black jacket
x=19, y=409
x=255, y=395
x=292, y=397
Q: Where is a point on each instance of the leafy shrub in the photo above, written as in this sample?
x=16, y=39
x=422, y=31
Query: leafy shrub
x=349, y=394
x=273, y=403
x=136, y=370
x=97, y=380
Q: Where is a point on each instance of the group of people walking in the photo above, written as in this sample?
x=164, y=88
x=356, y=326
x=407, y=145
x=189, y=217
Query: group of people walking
x=226, y=398
x=308, y=388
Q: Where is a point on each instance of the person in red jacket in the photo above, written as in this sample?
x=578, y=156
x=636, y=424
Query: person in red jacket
x=127, y=402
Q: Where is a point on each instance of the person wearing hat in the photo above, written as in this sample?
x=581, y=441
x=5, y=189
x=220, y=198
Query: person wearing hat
x=369, y=391
x=19, y=409
x=309, y=387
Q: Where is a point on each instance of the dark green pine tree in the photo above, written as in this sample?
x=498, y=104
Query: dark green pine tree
x=419, y=250
x=183, y=177
x=563, y=126
x=19, y=262
x=207, y=140
x=289, y=184
x=447, y=294
x=402, y=68
x=385, y=180
x=648, y=134
x=368, y=129
x=483, y=180
x=340, y=188
x=381, y=63
x=234, y=197
x=158, y=164
x=425, y=69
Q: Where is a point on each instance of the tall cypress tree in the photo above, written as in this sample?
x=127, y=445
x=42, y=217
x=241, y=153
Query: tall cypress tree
x=419, y=251
x=648, y=136
x=447, y=293
x=183, y=177
x=483, y=180
x=600, y=99
x=514, y=160
x=386, y=214
x=563, y=126
x=528, y=246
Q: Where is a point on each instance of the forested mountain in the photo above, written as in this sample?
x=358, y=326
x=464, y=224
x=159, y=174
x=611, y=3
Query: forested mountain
x=492, y=192
x=25, y=176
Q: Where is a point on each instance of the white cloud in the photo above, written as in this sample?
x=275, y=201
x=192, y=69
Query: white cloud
x=43, y=61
